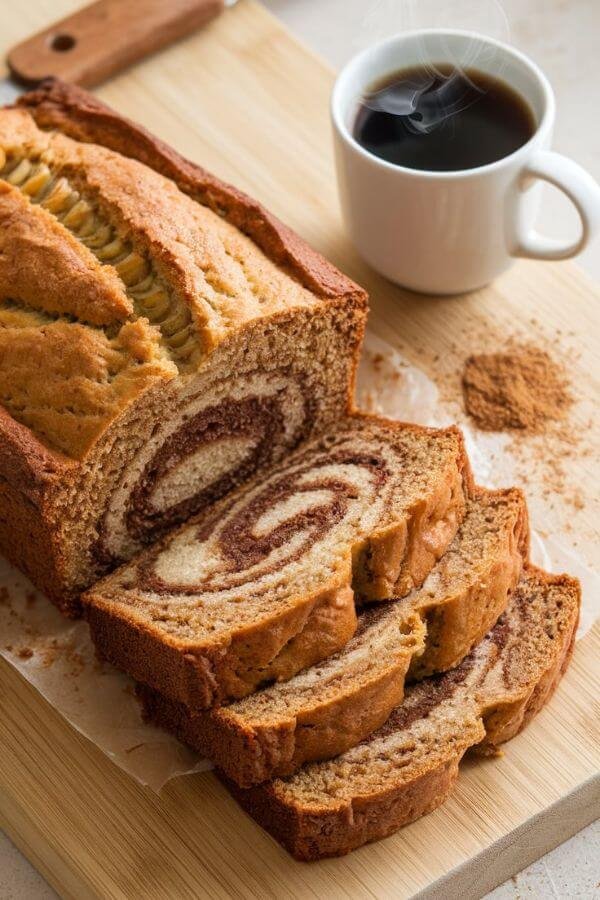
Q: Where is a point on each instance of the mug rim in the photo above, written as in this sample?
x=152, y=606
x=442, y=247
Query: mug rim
x=344, y=132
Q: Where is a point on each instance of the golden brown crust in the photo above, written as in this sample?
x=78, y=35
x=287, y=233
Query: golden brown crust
x=70, y=382
x=213, y=268
x=396, y=559
x=455, y=627
x=252, y=754
x=161, y=254
x=29, y=475
x=80, y=115
x=203, y=676
x=46, y=301
x=506, y=718
x=202, y=279
x=26, y=463
x=337, y=832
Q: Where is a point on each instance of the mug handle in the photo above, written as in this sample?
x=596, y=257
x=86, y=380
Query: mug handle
x=582, y=190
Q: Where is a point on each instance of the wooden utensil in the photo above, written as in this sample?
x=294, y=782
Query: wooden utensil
x=103, y=38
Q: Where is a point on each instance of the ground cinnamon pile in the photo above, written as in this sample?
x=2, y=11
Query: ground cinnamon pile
x=521, y=388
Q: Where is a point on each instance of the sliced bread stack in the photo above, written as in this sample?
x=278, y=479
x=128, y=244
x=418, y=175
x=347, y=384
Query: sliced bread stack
x=334, y=704
x=295, y=632
x=408, y=767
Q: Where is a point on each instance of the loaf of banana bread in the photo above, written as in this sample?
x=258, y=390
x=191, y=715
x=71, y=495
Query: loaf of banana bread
x=162, y=337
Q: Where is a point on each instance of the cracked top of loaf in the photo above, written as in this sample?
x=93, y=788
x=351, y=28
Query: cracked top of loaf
x=118, y=273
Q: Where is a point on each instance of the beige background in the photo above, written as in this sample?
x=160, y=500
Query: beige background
x=562, y=36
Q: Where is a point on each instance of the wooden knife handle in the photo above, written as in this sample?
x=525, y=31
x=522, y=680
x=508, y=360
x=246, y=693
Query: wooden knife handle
x=106, y=37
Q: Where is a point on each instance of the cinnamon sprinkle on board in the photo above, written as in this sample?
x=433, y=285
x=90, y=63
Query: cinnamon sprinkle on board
x=520, y=388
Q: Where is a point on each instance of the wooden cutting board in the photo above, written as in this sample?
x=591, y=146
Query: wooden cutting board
x=244, y=99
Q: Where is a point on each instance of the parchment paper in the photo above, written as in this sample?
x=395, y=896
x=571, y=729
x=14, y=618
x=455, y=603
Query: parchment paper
x=56, y=656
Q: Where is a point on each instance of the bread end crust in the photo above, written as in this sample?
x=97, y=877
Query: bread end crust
x=30, y=478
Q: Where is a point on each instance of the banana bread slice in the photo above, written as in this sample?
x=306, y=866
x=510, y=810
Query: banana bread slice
x=263, y=584
x=332, y=706
x=408, y=767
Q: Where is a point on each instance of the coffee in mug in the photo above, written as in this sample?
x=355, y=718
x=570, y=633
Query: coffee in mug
x=442, y=119
x=450, y=211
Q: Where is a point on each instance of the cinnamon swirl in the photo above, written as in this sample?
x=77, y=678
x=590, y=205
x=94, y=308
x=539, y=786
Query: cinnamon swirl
x=262, y=583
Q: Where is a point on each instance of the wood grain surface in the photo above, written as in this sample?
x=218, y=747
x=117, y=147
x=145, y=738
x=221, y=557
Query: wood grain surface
x=244, y=99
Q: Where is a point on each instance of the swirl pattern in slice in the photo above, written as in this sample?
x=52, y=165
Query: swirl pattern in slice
x=262, y=584
x=213, y=440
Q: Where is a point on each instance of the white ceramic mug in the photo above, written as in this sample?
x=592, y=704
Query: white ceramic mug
x=448, y=232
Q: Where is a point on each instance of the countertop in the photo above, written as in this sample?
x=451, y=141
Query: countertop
x=562, y=37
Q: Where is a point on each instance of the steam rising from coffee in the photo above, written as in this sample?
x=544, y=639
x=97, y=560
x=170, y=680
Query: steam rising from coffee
x=440, y=92
x=425, y=99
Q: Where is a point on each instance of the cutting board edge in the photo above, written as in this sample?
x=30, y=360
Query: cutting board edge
x=472, y=879
x=37, y=851
x=526, y=844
